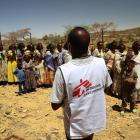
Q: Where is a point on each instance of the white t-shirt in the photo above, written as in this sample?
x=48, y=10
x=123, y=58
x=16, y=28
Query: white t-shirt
x=96, y=53
x=137, y=70
x=64, y=57
x=81, y=88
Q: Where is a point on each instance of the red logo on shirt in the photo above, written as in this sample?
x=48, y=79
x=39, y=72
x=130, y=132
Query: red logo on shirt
x=81, y=88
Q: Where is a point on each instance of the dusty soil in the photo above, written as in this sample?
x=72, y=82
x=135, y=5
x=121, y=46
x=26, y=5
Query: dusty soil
x=30, y=117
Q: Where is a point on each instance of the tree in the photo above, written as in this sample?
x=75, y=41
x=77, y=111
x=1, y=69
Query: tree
x=98, y=29
x=23, y=33
x=18, y=35
x=106, y=26
x=52, y=38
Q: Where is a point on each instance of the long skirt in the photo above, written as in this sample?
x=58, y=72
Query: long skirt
x=117, y=84
x=129, y=95
x=49, y=78
x=3, y=71
x=11, y=67
x=41, y=76
x=30, y=80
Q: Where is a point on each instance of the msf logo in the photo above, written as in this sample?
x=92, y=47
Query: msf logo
x=81, y=88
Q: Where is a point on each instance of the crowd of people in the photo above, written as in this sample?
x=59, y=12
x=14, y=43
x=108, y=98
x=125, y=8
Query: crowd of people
x=123, y=64
x=31, y=66
x=34, y=66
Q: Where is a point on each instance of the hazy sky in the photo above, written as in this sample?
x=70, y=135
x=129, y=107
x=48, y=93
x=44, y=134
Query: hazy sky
x=50, y=16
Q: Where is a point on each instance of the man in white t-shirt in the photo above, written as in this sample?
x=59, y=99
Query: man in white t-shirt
x=79, y=88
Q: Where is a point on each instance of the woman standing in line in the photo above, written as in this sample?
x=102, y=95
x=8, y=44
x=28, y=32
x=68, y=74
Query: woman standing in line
x=11, y=64
x=3, y=67
x=30, y=81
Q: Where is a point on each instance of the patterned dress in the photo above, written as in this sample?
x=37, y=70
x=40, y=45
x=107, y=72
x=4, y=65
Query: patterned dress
x=3, y=67
x=128, y=89
x=11, y=66
x=49, y=68
x=41, y=78
x=118, y=61
x=63, y=57
x=30, y=81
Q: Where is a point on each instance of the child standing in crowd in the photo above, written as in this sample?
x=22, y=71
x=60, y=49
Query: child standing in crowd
x=120, y=55
x=136, y=49
x=109, y=59
x=49, y=65
x=20, y=52
x=11, y=64
x=30, y=81
x=99, y=51
x=19, y=72
x=129, y=84
x=39, y=70
x=60, y=58
x=63, y=54
x=39, y=48
x=30, y=49
x=67, y=55
x=3, y=67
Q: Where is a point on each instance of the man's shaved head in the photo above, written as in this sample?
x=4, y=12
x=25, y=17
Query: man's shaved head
x=79, y=40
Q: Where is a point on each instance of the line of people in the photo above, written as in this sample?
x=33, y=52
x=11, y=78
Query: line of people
x=123, y=64
x=29, y=66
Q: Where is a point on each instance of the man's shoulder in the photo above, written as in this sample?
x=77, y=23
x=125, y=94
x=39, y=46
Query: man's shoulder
x=66, y=65
x=95, y=60
x=98, y=60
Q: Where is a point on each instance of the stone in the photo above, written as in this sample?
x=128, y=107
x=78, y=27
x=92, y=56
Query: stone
x=25, y=110
x=24, y=115
x=2, y=130
x=8, y=112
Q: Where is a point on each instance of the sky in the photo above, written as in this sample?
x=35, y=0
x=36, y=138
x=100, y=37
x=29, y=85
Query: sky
x=51, y=16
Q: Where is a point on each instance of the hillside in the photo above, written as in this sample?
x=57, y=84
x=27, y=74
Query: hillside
x=135, y=31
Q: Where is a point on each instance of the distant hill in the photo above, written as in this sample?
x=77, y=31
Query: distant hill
x=134, y=31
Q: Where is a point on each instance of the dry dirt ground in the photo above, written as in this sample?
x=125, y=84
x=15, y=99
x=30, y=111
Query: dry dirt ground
x=30, y=117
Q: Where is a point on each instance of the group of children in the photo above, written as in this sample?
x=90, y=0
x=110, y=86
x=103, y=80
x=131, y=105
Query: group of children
x=30, y=66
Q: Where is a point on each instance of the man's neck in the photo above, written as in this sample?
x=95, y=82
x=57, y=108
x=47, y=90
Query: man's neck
x=81, y=56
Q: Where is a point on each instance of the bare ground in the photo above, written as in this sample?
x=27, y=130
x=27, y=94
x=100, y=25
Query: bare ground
x=30, y=117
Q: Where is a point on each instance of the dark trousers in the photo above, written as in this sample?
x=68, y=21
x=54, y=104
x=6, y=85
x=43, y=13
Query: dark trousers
x=130, y=98
x=87, y=138
x=21, y=86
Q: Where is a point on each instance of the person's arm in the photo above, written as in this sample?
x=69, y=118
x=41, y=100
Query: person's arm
x=67, y=57
x=117, y=63
x=56, y=106
x=15, y=72
x=95, y=53
x=108, y=80
x=132, y=80
x=58, y=91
